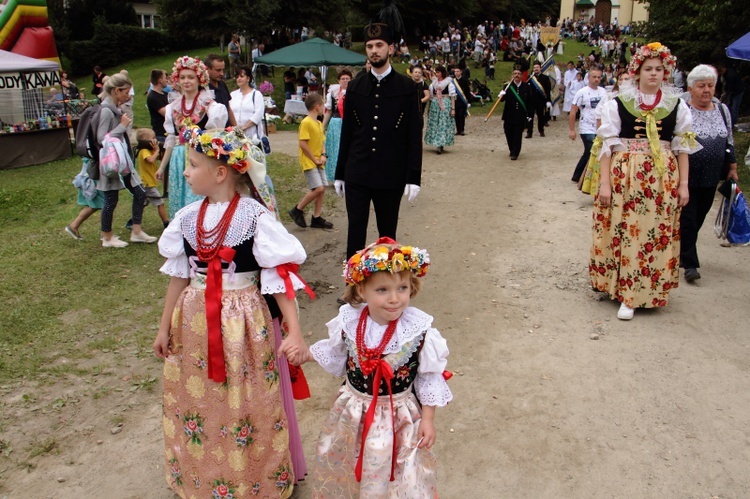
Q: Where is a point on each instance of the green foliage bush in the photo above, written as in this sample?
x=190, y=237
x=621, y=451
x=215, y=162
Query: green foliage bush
x=114, y=44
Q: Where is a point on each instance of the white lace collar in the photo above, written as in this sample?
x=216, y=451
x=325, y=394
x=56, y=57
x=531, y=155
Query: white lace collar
x=670, y=94
x=242, y=228
x=413, y=322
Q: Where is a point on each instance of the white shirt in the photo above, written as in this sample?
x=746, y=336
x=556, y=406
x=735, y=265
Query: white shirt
x=248, y=107
x=587, y=99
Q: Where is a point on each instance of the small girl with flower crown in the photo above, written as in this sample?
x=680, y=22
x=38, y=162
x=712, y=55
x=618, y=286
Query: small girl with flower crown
x=378, y=437
x=229, y=421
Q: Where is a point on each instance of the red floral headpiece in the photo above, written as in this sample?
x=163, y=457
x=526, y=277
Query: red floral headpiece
x=192, y=63
x=385, y=255
x=653, y=50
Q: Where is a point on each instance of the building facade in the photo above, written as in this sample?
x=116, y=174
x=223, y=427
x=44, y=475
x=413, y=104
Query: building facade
x=623, y=12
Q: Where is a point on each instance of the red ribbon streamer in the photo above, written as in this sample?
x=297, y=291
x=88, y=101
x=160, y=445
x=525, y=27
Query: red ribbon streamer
x=216, y=367
x=285, y=271
x=300, y=388
x=382, y=369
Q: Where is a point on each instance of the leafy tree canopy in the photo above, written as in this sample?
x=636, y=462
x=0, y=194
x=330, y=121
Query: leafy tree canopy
x=74, y=19
x=697, y=31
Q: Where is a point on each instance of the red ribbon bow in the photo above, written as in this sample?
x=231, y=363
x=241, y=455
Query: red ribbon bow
x=382, y=369
x=286, y=271
x=216, y=367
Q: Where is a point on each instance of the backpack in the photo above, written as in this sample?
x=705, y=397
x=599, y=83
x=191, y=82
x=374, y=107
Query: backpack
x=114, y=157
x=86, y=144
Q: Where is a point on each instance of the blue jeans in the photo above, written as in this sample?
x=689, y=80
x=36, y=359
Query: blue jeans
x=588, y=141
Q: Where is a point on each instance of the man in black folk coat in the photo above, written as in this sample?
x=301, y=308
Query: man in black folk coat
x=380, y=156
x=462, y=100
x=516, y=112
x=540, y=99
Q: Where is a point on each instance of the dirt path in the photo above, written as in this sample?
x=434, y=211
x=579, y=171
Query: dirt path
x=655, y=407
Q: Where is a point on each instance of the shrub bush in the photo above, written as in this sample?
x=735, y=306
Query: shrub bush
x=113, y=44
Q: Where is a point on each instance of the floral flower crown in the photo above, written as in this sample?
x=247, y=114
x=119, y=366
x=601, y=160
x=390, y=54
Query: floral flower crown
x=653, y=50
x=385, y=255
x=195, y=64
x=228, y=145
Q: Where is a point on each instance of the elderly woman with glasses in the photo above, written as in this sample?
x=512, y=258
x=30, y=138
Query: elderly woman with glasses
x=712, y=124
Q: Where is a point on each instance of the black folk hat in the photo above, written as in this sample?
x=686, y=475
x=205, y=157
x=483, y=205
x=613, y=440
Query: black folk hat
x=387, y=25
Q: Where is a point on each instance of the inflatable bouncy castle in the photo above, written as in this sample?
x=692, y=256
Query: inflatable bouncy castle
x=25, y=30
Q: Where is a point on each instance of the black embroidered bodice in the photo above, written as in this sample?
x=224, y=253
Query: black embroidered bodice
x=403, y=375
x=243, y=258
x=634, y=127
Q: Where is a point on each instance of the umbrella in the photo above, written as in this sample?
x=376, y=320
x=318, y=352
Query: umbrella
x=313, y=52
x=740, y=49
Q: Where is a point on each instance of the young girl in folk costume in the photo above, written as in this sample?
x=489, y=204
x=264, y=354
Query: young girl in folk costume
x=195, y=106
x=381, y=446
x=226, y=428
x=643, y=145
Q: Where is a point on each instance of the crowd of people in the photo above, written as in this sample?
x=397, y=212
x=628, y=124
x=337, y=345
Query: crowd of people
x=230, y=333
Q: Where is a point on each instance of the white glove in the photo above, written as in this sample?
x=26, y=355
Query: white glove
x=500, y=95
x=549, y=105
x=339, y=186
x=411, y=191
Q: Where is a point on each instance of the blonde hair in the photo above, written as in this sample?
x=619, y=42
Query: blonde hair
x=144, y=134
x=117, y=80
x=352, y=295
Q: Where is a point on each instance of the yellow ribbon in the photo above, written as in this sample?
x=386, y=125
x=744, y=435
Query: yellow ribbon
x=591, y=177
x=688, y=140
x=652, y=134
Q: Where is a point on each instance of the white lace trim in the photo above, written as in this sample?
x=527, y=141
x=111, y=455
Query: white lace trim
x=331, y=356
x=413, y=323
x=432, y=390
x=709, y=124
x=242, y=228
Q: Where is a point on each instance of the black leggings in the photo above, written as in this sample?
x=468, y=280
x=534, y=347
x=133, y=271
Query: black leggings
x=110, y=202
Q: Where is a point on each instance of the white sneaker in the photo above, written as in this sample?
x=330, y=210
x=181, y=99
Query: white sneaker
x=625, y=313
x=113, y=242
x=142, y=237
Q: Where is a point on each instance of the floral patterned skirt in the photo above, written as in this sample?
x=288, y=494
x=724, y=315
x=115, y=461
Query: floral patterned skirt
x=230, y=439
x=180, y=194
x=339, y=447
x=635, y=248
x=441, y=127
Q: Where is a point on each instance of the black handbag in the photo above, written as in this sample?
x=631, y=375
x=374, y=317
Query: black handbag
x=729, y=155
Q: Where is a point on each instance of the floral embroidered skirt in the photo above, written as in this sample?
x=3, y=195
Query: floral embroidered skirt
x=333, y=140
x=230, y=439
x=635, y=248
x=180, y=194
x=339, y=447
x=441, y=127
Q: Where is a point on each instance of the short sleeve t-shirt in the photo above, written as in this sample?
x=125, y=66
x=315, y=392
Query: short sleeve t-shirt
x=587, y=99
x=312, y=131
x=154, y=102
x=146, y=169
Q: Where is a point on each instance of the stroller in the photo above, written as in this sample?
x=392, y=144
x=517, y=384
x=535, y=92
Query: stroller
x=480, y=92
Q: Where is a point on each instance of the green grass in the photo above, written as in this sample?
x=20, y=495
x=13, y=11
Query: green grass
x=741, y=145
x=71, y=305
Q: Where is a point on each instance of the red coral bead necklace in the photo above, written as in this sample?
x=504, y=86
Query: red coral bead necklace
x=364, y=353
x=209, y=242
